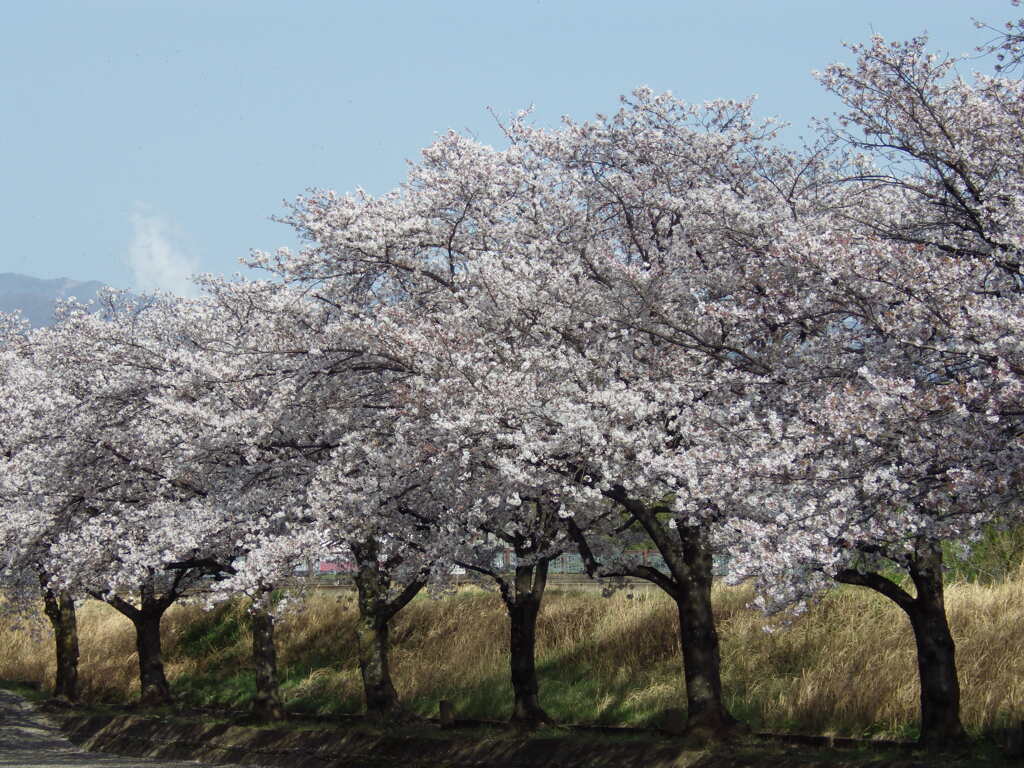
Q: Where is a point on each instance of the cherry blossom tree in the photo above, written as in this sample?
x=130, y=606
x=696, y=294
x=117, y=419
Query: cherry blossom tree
x=26, y=535
x=106, y=475
x=527, y=291
x=914, y=441
x=387, y=268
x=297, y=393
x=676, y=200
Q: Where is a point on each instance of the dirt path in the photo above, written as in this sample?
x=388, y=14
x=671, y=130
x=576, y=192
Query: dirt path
x=29, y=740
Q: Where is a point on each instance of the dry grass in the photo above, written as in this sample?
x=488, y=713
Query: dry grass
x=847, y=667
x=25, y=653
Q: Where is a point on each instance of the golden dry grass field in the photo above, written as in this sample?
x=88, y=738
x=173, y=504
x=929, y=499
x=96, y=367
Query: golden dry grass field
x=847, y=667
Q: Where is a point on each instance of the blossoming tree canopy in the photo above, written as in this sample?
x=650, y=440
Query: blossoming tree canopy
x=105, y=472
x=515, y=288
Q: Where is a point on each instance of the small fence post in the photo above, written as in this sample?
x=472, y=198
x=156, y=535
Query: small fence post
x=447, y=713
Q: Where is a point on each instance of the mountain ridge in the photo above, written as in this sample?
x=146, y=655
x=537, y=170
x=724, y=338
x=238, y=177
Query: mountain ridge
x=36, y=297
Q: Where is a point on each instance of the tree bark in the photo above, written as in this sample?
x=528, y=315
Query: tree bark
x=60, y=610
x=689, y=558
x=698, y=638
x=523, y=606
x=373, y=635
x=936, y=654
x=936, y=651
x=267, y=704
x=376, y=611
x=155, y=690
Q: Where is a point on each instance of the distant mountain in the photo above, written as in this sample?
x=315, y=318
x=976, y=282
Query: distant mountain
x=36, y=298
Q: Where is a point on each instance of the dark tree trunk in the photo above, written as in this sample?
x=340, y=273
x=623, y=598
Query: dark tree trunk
x=372, y=632
x=936, y=654
x=267, y=703
x=940, y=687
x=376, y=611
x=936, y=651
x=689, y=558
x=155, y=690
x=523, y=605
x=60, y=610
x=698, y=638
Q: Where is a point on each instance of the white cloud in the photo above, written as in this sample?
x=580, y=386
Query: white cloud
x=156, y=261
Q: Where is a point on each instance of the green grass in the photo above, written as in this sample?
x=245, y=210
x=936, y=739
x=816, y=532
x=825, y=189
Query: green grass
x=214, y=632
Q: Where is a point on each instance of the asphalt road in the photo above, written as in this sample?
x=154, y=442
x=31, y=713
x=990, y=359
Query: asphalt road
x=29, y=740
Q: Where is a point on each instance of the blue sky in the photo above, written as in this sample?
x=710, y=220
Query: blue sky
x=141, y=140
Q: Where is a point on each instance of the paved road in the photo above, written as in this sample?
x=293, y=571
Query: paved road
x=30, y=740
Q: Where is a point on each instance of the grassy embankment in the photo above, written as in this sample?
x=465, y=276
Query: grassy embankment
x=847, y=667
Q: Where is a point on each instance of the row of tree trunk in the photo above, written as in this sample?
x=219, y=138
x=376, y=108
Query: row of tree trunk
x=688, y=583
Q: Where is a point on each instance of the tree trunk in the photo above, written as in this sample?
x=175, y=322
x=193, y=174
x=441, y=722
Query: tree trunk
x=60, y=609
x=377, y=607
x=373, y=629
x=267, y=703
x=155, y=690
x=698, y=639
x=936, y=655
x=372, y=633
x=523, y=606
x=936, y=651
x=688, y=554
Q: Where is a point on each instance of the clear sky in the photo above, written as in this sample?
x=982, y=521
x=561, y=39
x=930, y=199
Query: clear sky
x=141, y=140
